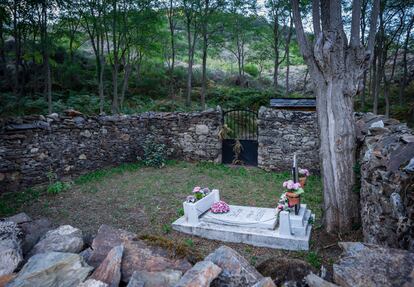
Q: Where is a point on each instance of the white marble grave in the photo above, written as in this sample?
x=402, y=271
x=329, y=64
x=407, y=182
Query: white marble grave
x=257, y=226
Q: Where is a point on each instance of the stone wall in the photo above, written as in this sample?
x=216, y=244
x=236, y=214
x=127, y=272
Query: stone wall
x=386, y=149
x=32, y=146
x=283, y=132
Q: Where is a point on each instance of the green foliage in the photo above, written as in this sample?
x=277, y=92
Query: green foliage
x=102, y=173
x=166, y=228
x=12, y=201
x=314, y=259
x=189, y=242
x=57, y=187
x=180, y=211
x=155, y=154
x=252, y=70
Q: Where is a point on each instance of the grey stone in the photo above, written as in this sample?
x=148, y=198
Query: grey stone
x=19, y=218
x=52, y=269
x=33, y=231
x=86, y=254
x=109, y=271
x=410, y=166
x=154, y=279
x=236, y=271
x=10, y=247
x=265, y=282
x=316, y=281
x=378, y=124
x=200, y=275
x=371, y=265
x=63, y=239
x=93, y=283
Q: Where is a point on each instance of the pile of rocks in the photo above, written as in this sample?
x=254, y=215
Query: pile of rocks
x=386, y=156
x=34, y=253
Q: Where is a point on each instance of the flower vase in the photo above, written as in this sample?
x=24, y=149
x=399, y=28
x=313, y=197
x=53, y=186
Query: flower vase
x=302, y=181
x=293, y=198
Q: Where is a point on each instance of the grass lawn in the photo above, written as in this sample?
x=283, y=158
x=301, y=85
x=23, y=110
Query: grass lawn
x=147, y=200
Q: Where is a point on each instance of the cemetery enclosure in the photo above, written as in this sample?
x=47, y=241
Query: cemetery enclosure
x=34, y=146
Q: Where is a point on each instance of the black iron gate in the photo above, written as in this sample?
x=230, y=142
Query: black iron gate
x=239, y=137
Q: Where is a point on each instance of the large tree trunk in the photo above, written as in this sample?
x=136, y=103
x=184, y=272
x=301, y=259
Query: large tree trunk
x=172, y=41
x=287, y=50
x=189, y=65
x=336, y=69
x=403, y=81
x=337, y=153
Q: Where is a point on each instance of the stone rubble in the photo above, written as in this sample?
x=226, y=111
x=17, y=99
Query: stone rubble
x=109, y=271
x=236, y=271
x=200, y=275
x=63, y=239
x=364, y=265
x=10, y=247
x=52, y=269
x=154, y=279
x=386, y=156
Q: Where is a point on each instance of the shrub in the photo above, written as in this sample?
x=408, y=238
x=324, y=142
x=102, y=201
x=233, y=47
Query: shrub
x=252, y=70
x=155, y=154
x=57, y=187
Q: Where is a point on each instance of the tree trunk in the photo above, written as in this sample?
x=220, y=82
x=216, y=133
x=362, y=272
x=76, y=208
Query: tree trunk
x=204, y=71
x=403, y=81
x=189, y=66
x=172, y=41
x=287, y=55
x=337, y=153
x=125, y=84
x=101, y=70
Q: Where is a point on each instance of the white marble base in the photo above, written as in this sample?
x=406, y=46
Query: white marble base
x=293, y=232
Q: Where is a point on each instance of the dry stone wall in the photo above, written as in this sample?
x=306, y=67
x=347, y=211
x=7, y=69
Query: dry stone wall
x=32, y=146
x=284, y=132
x=386, y=158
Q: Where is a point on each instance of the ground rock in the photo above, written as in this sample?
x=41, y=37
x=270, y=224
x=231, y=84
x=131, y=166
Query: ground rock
x=19, y=218
x=371, y=265
x=236, y=271
x=33, y=231
x=55, y=269
x=93, y=283
x=86, y=254
x=201, y=274
x=109, y=271
x=62, y=239
x=283, y=270
x=155, y=279
x=316, y=281
x=10, y=247
x=138, y=256
x=265, y=282
x=6, y=279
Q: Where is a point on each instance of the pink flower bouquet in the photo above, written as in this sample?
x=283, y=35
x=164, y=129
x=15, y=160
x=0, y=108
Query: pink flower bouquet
x=304, y=172
x=220, y=207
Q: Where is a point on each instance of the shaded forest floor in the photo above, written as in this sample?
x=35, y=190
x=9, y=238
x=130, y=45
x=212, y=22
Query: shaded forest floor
x=147, y=200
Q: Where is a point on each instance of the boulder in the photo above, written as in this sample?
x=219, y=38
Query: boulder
x=52, y=269
x=33, y=231
x=138, y=256
x=200, y=275
x=93, y=283
x=364, y=264
x=155, y=279
x=265, y=282
x=62, y=239
x=6, y=279
x=19, y=218
x=86, y=254
x=315, y=281
x=236, y=271
x=283, y=270
x=10, y=247
x=109, y=271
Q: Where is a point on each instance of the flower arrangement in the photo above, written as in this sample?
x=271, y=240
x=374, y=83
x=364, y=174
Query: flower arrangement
x=304, y=172
x=198, y=193
x=283, y=203
x=220, y=207
x=291, y=197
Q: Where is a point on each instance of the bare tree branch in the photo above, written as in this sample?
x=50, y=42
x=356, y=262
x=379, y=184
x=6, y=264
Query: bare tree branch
x=355, y=26
x=373, y=27
x=302, y=40
x=316, y=17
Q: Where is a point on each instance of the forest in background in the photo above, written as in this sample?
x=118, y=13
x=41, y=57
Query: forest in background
x=128, y=56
